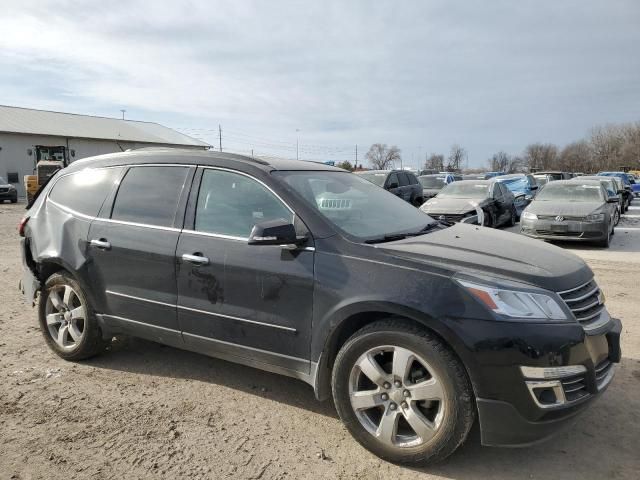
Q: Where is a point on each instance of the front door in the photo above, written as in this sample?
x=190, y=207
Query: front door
x=132, y=253
x=240, y=301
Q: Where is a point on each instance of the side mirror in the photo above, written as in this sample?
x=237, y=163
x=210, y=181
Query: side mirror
x=520, y=196
x=621, y=191
x=613, y=200
x=534, y=187
x=393, y=185
x=273, y=232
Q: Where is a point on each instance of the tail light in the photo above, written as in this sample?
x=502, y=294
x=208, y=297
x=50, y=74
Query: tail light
x=22, y=225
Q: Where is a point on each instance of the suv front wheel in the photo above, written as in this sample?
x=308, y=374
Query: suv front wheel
x=402, y=393
x=67, y=321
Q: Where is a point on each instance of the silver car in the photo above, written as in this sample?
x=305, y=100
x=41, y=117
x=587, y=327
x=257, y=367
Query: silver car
x=571, y=210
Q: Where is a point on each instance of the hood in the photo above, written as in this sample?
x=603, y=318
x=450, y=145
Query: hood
x=481, y=252
x=567, y=209
x=454, y=206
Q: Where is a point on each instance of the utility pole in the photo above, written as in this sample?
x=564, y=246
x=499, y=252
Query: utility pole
x=123, y=113
x=356, y=165
x=220, y=135
x=297, y=139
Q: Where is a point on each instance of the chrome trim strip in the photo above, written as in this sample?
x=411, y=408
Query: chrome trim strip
x=140, y=323
x=582, y=309
x=574, y=289
x=607, y=379
x=135, y=224
x=594, y=315
x=216, y=235
x=132, y=297
x=577, y=299
x=244, y=347
x=239, y=319
x=70, y=210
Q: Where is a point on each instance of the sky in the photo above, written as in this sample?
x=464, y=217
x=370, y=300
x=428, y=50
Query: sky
x=331, y=75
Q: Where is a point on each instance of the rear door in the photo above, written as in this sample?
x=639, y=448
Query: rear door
x=241, y=301
x=405, y=186
x=393, y=184
x=132, y=249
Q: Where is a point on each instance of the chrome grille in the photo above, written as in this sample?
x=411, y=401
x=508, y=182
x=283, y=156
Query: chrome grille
x=447, y=217
x=574, y=387
x=553, y=217
x=585, y=302
x=4, y=189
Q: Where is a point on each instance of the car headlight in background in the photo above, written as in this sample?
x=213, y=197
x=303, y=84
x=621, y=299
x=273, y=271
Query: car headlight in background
x=529, y=216
x=595, y=217
x=516, y=304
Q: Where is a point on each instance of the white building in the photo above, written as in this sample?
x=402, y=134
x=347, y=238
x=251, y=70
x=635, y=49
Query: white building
x=27, y=136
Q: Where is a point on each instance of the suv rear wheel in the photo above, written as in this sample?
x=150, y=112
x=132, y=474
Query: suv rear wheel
x=67, y=321
x=402, y=394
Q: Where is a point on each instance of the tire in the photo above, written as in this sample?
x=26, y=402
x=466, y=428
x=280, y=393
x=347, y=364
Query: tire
x=489, y=220
x=449, y=418
x=14, y=200
x=617, y=218
x=83, y=337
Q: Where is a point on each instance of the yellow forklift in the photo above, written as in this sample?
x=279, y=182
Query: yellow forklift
x=48, y=160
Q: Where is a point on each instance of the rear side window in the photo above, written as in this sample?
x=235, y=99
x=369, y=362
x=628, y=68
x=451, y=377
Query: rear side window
x=412, y=179
x=393, y=178
x=404, y=179
x=149, y=195
x=86, y=190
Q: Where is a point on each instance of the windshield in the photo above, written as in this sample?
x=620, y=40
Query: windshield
x=375, y=178
x=465, y=190
x=432, y=182
x=570, y=193
x=354, y=205
x=516, y=184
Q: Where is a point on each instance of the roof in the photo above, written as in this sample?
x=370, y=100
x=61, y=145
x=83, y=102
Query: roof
x=199, y=157
x=44, y=122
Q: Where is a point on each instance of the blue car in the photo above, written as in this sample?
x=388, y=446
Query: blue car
x=523, y=186
x=629, y=192
x=635, y=184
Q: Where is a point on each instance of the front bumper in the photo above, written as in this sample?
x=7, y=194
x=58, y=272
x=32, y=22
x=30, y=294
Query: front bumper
x=512, y=410
x=10, y=195
x=571, y=230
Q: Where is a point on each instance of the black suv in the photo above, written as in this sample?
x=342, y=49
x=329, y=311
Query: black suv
x=415, y=327
x=401, y=183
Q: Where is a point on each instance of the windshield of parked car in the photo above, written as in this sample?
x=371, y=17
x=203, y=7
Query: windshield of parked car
x=377, y=178
x=542, y=180
x=619, y=175
x=516, y=184
x=465, y=189
x=432, y=182
x=354, y=205
x=570, y=193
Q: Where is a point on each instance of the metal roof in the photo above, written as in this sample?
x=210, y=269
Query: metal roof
x=43, y=122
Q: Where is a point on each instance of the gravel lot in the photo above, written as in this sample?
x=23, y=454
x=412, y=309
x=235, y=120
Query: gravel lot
x=148, y=411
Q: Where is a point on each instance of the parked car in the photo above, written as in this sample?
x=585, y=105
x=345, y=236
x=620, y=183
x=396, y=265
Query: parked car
x=613, y=191
x=541, y=180
x=484, y=202
x=570, y=210
x=628, y=194
x=555, y=175
x=523, y=186
x=7, y=192
x=401, y=183
x=413, y=326
x=433, y=184
x=635, y=184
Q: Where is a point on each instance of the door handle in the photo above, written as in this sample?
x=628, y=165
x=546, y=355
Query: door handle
x=101, y=243
x=196, y=259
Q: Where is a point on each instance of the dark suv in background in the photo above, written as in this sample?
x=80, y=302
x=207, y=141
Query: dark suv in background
x=401, y=183
x=416, y=327
x=7, y=191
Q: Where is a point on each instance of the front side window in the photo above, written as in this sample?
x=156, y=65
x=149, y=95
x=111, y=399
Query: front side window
x=231, y=204
x=393, y=181
x=354, y=205
x=149, y=195
x=404, y=179
x=86, y=190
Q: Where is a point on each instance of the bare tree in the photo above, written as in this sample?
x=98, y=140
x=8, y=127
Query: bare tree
x=499, y=162
x=541, y=156
x=434, y=162
x=456, y=158
x=381, y=156
x=576, y=157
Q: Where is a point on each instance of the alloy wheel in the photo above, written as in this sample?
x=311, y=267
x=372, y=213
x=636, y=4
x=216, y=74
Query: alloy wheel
x=397, y=396
x=65, y=316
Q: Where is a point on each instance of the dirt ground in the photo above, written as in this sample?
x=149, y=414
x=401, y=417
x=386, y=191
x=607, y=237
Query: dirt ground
x=148, y=411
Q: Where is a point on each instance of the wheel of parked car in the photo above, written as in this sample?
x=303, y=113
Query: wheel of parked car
x=489, y=219
x=67, y=320
x=402, y=393
x=616, y=218
x=607, y=240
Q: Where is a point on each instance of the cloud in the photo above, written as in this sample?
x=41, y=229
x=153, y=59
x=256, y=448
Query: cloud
x=488, y=76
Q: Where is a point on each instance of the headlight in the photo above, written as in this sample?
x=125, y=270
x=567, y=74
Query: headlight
x=516, y=304
x=529, y=216
x=595, y=217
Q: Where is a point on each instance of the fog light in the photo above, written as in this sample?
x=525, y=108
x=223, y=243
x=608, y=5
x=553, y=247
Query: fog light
x=547, y=394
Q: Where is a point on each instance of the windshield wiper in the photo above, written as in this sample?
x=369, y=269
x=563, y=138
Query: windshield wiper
x=400, y=236
x=426, y=229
